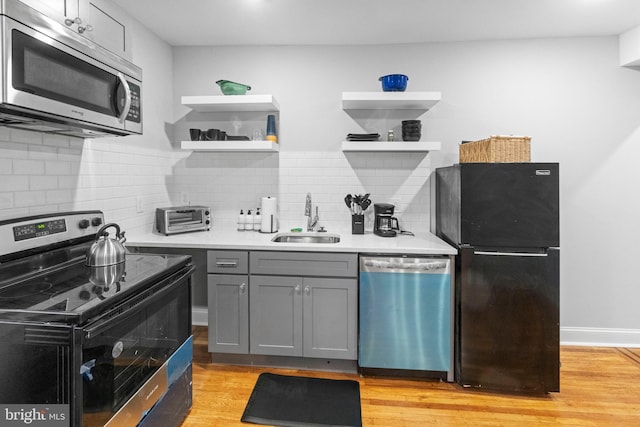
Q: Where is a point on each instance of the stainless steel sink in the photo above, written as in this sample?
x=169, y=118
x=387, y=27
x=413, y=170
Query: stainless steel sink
x=306, y=238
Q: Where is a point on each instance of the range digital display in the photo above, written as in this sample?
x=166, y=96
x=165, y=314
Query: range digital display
x=39, y=229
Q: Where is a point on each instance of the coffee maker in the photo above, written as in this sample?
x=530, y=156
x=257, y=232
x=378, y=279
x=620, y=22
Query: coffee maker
x=385, y=224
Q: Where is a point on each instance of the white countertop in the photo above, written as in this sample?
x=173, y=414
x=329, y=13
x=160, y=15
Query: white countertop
x=422, y=243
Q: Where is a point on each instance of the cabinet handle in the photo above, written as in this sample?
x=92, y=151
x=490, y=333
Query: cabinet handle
x=226, y=264
x=242, y=288
x=297, y=288
x=307, y=290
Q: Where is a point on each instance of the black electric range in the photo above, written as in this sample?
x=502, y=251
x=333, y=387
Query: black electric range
x=105, y=344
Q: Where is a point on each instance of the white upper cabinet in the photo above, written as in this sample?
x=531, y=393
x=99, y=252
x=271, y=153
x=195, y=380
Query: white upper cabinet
x=111, y=26
x=56, y=9
x=100, y=21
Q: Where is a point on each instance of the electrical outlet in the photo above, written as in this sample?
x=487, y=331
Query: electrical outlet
x=139, y=204
x=184, y=197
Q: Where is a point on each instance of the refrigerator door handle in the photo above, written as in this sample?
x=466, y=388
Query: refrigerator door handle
x=532, y=254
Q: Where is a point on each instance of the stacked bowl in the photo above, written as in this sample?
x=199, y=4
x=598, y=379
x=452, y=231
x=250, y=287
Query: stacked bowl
x=411, y=130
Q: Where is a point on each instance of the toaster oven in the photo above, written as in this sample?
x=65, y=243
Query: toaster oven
x=183, y=219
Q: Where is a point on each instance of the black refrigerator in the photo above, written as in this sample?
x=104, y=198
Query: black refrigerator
x=504, y=220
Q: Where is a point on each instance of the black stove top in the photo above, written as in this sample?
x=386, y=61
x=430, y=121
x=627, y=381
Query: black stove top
x=43, y=276
x=71, y=291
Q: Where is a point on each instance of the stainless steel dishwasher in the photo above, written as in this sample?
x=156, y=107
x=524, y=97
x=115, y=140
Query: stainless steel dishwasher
x=406, y=314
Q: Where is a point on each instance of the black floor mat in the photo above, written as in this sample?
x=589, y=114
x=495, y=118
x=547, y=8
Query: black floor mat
x=282, y=400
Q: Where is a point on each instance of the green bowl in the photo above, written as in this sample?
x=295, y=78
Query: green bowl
x=232, y=88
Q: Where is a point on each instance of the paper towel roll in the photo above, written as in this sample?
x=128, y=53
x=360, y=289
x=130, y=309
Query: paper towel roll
x=269, y=214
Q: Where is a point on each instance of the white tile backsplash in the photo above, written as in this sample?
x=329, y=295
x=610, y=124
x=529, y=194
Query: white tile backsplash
x=28, y=167
x=228, y=182
x=6, y=166
x=48, y=173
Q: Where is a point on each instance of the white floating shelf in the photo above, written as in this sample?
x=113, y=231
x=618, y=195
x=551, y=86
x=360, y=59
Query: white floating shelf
x=408, y=146
x=226, y=103
x=389, y=100
x=258, y=146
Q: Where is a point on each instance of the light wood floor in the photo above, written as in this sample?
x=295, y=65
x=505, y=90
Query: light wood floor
x=598, y=387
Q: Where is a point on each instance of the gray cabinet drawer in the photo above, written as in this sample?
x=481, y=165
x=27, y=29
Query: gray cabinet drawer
x=304, y=264
x=227, y=262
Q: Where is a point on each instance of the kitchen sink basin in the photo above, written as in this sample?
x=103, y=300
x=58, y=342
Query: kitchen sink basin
x=306, y=238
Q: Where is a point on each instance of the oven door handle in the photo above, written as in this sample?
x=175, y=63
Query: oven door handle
x=103, y=324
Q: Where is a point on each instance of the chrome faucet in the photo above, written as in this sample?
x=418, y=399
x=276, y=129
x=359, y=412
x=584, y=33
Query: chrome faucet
x=311, y=222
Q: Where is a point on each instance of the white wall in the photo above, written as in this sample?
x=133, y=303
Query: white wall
x=570, y=95
x=43, y=173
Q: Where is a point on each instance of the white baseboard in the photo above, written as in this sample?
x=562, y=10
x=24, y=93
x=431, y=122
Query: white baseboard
x=588, y=337
x=199, y=316
x=600, y=337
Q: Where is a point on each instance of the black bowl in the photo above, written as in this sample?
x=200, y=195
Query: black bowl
x=411, y=138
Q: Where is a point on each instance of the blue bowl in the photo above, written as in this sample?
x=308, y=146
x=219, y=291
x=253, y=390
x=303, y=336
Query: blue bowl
x=394, y=82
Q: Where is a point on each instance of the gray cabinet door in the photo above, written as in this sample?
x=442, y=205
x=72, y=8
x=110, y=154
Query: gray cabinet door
x=276, y=315
x=330, y=315
x=228, y=313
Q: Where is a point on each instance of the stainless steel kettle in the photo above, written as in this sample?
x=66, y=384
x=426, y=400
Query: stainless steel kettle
x=107, y=276
x=106, y=251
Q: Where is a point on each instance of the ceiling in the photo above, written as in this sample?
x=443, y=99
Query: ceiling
x=352, y=22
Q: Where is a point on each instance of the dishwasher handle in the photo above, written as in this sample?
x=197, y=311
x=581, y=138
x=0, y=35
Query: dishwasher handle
x=405, y=265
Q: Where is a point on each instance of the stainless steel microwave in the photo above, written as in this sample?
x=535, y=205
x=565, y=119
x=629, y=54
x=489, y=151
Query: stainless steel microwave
x=183, y=219
x=56, y=81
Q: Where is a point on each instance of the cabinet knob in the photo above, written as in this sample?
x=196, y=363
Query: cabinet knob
x=85, y=28
x=297, y=288
x=243, y=287
x=307, y=290
x=69, y=22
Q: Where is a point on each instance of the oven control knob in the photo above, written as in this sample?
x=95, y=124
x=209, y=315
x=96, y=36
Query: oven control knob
x=96, y=221
x=84, y=223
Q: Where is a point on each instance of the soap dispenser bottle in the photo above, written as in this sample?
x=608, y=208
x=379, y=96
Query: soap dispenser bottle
x=248, y=221
x=257, y=221
x=241, y=221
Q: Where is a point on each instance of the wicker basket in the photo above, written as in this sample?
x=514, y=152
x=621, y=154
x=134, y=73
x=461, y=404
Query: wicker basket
x=497, y=149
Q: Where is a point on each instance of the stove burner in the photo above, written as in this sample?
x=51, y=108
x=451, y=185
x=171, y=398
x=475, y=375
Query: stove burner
x=14, y=292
